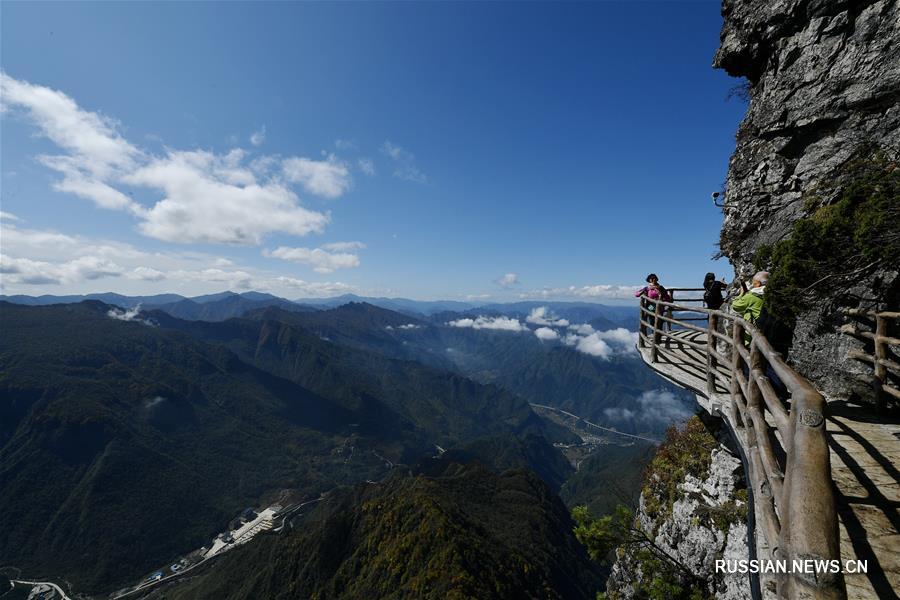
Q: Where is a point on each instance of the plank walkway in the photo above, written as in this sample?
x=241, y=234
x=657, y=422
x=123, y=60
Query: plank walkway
x=865, y=467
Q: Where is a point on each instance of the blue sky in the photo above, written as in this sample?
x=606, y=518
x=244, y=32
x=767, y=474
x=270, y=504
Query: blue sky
x=427, y=150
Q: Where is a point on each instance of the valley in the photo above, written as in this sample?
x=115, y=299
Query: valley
x=145, y=421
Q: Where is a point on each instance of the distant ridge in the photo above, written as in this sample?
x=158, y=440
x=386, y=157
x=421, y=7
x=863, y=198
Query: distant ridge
x=105, y=297
x=403, y=305
x=224, y=305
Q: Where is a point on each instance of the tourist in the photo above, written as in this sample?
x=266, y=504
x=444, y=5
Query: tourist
x=655, y=291
x=712, y=295
x=749, y=304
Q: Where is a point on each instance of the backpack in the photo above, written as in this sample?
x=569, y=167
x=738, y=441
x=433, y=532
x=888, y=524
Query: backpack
x=713, y=295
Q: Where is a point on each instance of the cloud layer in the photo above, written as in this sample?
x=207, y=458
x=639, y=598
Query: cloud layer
x=542, y=316
x=549, y=328
x=500, y=323
x=583, y=292
x=653, y=408
x=323, y=260
x=79, y=262
x=602, y=344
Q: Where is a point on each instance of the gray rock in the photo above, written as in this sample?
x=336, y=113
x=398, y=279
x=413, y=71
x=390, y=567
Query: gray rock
x=690, y=537
x=824, y=81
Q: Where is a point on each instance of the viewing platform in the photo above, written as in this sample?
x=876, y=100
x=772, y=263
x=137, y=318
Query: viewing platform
x=824, y=478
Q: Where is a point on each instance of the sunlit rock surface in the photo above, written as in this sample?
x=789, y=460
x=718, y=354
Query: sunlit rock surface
x=824, y=82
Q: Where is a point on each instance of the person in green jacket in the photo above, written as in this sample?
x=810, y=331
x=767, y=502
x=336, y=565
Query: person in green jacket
x=749, y=304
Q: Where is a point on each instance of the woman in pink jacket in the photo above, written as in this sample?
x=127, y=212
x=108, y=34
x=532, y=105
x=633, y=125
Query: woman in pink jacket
x=654, y=291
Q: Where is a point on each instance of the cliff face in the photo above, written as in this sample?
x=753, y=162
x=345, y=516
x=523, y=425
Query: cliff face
x=706, y=524
x=824, y=83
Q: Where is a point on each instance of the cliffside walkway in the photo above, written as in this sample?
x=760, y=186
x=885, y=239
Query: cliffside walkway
x=824, y=480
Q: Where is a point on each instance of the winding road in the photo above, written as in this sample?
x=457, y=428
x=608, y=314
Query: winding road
x=58, y=589
x=559, y=410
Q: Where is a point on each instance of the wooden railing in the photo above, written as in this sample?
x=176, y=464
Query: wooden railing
x=881, y=358
x=780, y=424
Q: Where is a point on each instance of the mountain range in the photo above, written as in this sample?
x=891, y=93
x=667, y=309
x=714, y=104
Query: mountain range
x=580, y=311
x=129, y=435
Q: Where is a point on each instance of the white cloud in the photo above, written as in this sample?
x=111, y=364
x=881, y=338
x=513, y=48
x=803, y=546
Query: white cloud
x=620, y=335
x=507, y=280
x=591, y=344
x=328, y=178
x=545, y=333
x=146, y=274
x=258, y=136
x=134, y=315
x=76, y=181
x=81, y=265
x=541, y=315
x=96, y=150
x=5, y=216
x=479, y=296
x=307, y=289
x=619, y=414
x=233, y=280
x=587, y=291
x=345, y=144
x=367, y=166
x=582, y=329
x=124, y=315
x=602, y=344
x=499, y=323
x=32, y=272
x=343, y=246
x=321, y=259
x=265, y=166
x=410, y=326
x=653, y=407
x=213, y=199
x=404, y=163
x=207, y=197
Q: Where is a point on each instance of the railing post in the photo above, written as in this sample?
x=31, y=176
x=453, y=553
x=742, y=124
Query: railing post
x=880, y=369
x=642, y=329
x=671, y=326
x=755, y=366
x=656, y=336
x=737, y=337
x=711, y=362
x=809, y=527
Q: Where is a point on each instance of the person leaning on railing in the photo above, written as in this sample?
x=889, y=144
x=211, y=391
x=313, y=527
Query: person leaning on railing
x=655, y=291
x=713, y=298
x=712, y=291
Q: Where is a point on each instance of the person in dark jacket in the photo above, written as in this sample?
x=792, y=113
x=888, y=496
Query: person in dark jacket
x=713, y=289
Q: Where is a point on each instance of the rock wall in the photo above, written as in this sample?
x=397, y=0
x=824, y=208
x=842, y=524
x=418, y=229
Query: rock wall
x=824, y=82
x=692, y=536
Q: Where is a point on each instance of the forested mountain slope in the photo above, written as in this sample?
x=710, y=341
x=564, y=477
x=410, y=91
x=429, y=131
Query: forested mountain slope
x=460, y=531
x=123, y=443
